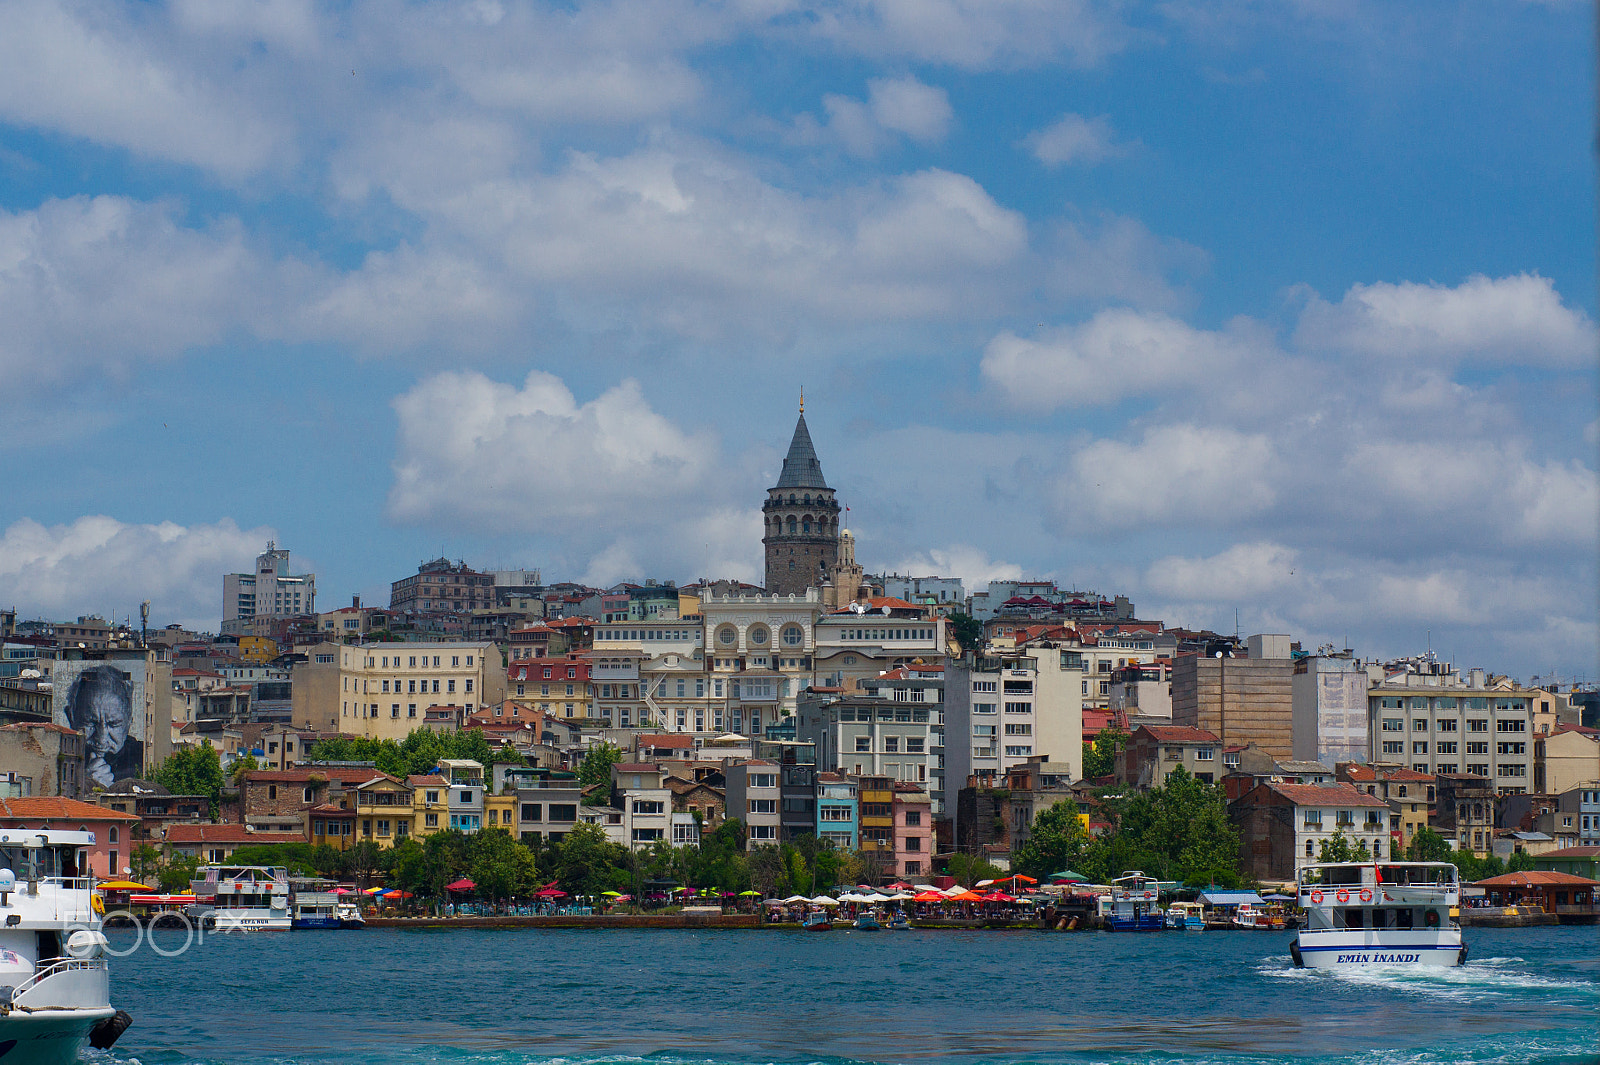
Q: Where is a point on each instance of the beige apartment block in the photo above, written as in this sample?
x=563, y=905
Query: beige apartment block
x=384, y=690
x=1240, y=700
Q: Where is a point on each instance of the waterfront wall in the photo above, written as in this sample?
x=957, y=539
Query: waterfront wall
x=608, y=920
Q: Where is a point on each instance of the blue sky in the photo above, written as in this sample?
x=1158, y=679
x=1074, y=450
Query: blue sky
x=1278, y=308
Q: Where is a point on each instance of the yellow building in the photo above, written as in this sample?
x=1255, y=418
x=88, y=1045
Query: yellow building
x=258, y=649
x=384, y=811
x=384, y=690
x=430, y=803
x=500, y=811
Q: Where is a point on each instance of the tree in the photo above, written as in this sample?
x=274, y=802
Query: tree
x=1340, y=849
x=145, y=861
x=588, y=863
x=1178, y=830
x=596, y=769
x=967, y=630
x=1100, y=757
x=193, y=771
x=241, y=766
x=968, y=869
x=177, y=873
x=1520, y=862
x=1056, y=841
x=502, y=867
x=1428, y=846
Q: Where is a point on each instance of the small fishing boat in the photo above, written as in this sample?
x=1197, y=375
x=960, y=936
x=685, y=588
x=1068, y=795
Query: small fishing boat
x=314, y=909
x=1185, y=917
x=817, y=921
x=867, y=922
x=349, y=915
x=898, y=923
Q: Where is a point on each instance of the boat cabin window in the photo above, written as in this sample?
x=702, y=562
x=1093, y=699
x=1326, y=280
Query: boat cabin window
x=40, y=862
x=1349, y=918
x=1342, y=875
x=1405, y=919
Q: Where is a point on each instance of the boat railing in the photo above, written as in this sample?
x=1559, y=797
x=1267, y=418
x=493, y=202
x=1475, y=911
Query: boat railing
x=55, y=967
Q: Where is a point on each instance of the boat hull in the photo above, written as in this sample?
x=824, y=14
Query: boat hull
x=320, y=921
x=1146, y=922
x=54, y=1038
x=1357, y=948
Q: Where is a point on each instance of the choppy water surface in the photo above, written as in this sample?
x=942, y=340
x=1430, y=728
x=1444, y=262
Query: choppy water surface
x=537, y=997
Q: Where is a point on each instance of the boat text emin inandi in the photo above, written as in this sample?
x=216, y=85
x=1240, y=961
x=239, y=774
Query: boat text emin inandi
x=1379, y=913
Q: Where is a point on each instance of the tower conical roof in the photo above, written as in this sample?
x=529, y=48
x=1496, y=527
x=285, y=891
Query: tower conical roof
x=800, y=467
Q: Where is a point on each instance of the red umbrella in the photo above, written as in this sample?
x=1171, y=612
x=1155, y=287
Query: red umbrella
x=461, y=885
x=998, y=896
x=550, y=893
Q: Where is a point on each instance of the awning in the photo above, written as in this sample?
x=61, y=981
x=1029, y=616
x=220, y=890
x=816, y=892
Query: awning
x=1229, y=898
x=122, y=885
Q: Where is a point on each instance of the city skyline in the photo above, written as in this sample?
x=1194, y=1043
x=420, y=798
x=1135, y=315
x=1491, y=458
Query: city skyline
x=1287, y=313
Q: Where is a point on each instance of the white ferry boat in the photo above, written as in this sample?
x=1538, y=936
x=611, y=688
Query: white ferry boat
x=54, y=979
x=242, y=898
x=1378, y=913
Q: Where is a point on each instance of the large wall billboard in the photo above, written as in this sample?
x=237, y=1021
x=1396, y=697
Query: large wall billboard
x=104, y=701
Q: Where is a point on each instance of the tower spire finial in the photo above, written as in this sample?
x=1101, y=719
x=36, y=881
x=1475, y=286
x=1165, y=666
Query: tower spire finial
x=802, y=399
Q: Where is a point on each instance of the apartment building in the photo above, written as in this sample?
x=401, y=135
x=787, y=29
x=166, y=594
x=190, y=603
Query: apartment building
x=1282, y=826
x=1241, y=700
x=558, y=687
x=640, y=791
x=442, y=586
x=270, y=592
x=754, y=794
x=1328, y=692
x=384, y=690
x=1003, y=710
x=1443, y=724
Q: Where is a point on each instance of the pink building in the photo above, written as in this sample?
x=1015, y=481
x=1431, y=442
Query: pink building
x=913, y=829
x=113, y=830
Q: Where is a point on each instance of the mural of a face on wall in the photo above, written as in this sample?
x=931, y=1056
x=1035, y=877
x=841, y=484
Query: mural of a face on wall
x=100, y=705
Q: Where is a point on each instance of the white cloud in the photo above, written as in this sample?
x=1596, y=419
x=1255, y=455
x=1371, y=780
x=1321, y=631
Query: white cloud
x=1116, y=354
x=972, y=34
x=971, y=564
x=98, y=563
x=102, y=284
x=1183, y=475
x=894, y=107
x=1073, y=139
x=1242, y=572
x=92, y=71
x=612, y=488
x=1519, y=319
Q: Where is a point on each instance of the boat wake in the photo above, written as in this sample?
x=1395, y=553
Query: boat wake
x=1485, y=978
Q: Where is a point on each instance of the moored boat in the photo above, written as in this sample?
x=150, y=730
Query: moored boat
x=55, y=993
x=242, y=898
x=1134, y=905
x=349, y=915
x=817, y=921
x=1379, y=913
x=1185, y=917
x=867, y=922
x=315, y=909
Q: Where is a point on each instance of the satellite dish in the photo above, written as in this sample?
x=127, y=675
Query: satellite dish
x=885, y=608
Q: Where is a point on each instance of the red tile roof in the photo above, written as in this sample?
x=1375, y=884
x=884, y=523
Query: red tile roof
x=671, y=742
x=1326, y=795
x=1537, y=878
x=1571, y=852
x=636, y=767
x=53, y=808
x=229, y=833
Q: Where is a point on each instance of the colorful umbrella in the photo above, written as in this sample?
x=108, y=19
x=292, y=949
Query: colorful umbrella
x=374, y=891
x=461, y=885
x=998, y=896
x=749, y=894
x=929, y=896
x=550, y=893
x=1025, y=879
x=121, y=885
x=612, y=894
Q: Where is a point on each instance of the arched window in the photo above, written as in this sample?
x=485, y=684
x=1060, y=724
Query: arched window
x=791, y=499
x=805, y=526
x=808, y=499
x=791, y=526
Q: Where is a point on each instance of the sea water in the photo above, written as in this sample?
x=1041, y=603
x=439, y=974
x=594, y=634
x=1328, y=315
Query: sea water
x=613, y=997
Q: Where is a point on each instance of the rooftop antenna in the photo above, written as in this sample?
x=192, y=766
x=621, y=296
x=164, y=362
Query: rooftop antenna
x=802, y=399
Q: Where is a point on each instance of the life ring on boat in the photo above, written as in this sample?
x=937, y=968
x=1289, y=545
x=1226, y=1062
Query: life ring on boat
x=1366, y=895
x=1432, y=920
x=97, y=903
x=1343, y=895
x=1316, y=898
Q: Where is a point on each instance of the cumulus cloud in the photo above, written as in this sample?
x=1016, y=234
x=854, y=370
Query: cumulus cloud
x=89, y=71
x=105, y=283
x=98, y=563
x=1243, y=571
x=894, y=107
x=972, y=34
x=1073, y=139
x=972, y=565
x=1175, y=475
x=1519, y=320
x=610, y=485
x=1116, y=354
